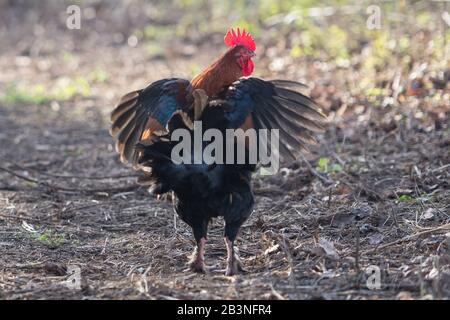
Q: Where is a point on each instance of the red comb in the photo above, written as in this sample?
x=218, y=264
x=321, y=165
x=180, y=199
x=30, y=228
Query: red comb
x=238, y=37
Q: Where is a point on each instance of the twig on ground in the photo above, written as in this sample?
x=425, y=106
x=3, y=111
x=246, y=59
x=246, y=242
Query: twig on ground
x=70, y=190
x=314, y=172
x=409, y=237
x=79, y=177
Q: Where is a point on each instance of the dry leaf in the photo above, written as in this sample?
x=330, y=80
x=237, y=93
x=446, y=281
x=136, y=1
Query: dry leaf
x=429, y=214
x=329, y=249
x=376, y=238
x=272, y=249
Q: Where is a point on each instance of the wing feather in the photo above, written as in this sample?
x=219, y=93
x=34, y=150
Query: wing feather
x=128, y=101
x=275, y=105
x=144, y=111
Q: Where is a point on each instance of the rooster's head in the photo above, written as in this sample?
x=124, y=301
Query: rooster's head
x=243, y=49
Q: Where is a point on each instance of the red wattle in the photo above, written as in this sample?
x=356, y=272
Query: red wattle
x=248, y=68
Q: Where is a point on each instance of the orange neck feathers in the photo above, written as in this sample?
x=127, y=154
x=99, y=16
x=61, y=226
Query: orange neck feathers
x=218, y=75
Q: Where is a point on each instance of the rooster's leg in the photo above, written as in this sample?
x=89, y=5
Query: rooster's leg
x=234, y=264
x=197, y=263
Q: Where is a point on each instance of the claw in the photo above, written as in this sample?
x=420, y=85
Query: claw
x=197, y=266
x=234, y=264
x=197, y=263
x=234, y=267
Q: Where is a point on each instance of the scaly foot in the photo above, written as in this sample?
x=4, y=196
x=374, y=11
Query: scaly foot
x=234, y=265
x=197, y=263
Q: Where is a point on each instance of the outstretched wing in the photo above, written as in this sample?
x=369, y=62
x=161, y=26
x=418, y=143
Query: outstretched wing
x=276, y=104
x=142, y=112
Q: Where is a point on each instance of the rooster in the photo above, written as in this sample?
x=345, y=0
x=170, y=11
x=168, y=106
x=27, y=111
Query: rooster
x=223, y=96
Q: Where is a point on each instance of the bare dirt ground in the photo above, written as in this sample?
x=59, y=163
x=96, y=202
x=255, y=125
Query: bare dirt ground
x=374, y=192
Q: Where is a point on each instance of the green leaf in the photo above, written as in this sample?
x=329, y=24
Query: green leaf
x=323, y=163
x=335, y=168
x=405, y=198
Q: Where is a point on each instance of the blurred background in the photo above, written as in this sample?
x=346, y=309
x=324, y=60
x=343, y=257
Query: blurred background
x=126, y=44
